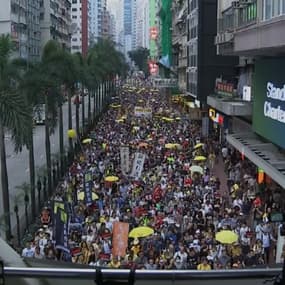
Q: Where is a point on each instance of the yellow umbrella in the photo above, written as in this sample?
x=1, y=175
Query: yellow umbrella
x=87, y=141
x=141, y=232
x=198, y=145
x=226, y=237
x=111, y=178
x=81, y=196
x=196, y=168
x=200, y=158
x=169, y=145
x=166, y=119
x=177, y=118
x=120, y=120
x=71, y=134
x=115, y=106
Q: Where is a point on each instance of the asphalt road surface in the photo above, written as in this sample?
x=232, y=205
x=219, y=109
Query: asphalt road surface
x=18, y=164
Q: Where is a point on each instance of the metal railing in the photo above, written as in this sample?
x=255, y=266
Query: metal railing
x=78, y=273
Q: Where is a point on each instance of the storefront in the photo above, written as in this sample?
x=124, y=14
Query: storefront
x=265, y=145
x=220, y=123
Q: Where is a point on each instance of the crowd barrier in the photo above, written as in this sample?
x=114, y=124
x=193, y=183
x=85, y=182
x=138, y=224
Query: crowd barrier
x=131, y=277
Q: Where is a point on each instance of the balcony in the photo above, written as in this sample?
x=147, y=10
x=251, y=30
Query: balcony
x=228, y=102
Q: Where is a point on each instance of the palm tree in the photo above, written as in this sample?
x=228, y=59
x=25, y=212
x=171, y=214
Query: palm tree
x=81, y=68
x=15, y=116
x=52, y=54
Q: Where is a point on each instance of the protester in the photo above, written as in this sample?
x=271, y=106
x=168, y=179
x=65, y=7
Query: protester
x=184, y=208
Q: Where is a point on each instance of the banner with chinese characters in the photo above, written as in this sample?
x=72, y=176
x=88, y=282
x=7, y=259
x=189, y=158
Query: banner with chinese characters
x=120, y=238
x=125, y=159
x=142, y=112
x=138, y=165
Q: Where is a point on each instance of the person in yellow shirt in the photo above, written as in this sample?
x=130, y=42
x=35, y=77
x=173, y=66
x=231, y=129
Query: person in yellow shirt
x=204, y=265
x=114, y=263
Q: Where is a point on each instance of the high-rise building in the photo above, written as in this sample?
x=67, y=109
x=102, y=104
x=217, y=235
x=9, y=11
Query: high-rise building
x=55, y=22
x=21, y=19
x=142, y=24
x=134, y=23
x=251, y=104
x=130, y=17
x=179, y=42
x=112, y=27
x=33, y=29
x=76, y=26
x=204, y=65
x=13, y=21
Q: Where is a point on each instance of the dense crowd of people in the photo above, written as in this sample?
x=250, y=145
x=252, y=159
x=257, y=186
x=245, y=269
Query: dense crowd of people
x=185, y=209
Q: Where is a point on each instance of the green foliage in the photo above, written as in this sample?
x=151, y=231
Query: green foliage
x=140, y=58
x=15, y=113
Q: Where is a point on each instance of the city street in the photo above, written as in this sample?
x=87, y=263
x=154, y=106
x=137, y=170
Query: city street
x=18, y=164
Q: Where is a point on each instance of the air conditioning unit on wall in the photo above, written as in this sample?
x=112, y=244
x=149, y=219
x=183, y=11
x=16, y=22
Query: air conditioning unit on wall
x=236, y=4
x=217, y=39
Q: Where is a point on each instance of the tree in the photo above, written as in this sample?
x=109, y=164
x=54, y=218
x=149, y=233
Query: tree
x=15, y=116
x=140, y=56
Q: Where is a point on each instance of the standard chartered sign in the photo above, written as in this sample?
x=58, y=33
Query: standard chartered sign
x=275, y=112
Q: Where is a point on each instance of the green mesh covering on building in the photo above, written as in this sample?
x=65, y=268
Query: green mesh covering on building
x=166, y=25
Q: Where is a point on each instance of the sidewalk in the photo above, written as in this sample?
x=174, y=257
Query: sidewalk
x=219, y=171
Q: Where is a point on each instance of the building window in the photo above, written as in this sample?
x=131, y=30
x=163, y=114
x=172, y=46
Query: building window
x=273, y=8
x=74, y=9
x=74, y=1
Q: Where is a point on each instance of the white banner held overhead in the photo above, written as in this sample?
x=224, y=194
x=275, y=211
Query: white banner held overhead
x=143, y=112
x=125, y=159
x=138, y=165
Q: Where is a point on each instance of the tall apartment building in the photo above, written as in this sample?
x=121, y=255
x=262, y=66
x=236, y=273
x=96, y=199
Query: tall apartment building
x=112, y=27
x=20, y=19
x=106, y=24
x=253, y=105
x=33, y=27
x=129, y=25
x=55, y=22
x=142, y=24
x=179, y=42
x=134, y=23
x=204, y=65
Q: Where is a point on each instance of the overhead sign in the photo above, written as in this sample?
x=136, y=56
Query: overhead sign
x=153, y=68
x=269, y=100
x=164, y=82
x=224, y=88
x=153, y=33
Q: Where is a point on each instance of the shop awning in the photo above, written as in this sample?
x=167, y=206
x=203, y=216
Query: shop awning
x=263, y=154
x=230, y=106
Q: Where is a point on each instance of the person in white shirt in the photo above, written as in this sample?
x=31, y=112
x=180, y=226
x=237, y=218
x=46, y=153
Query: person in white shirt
x=224, y=152
x=28, y=251
x=267, y=239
